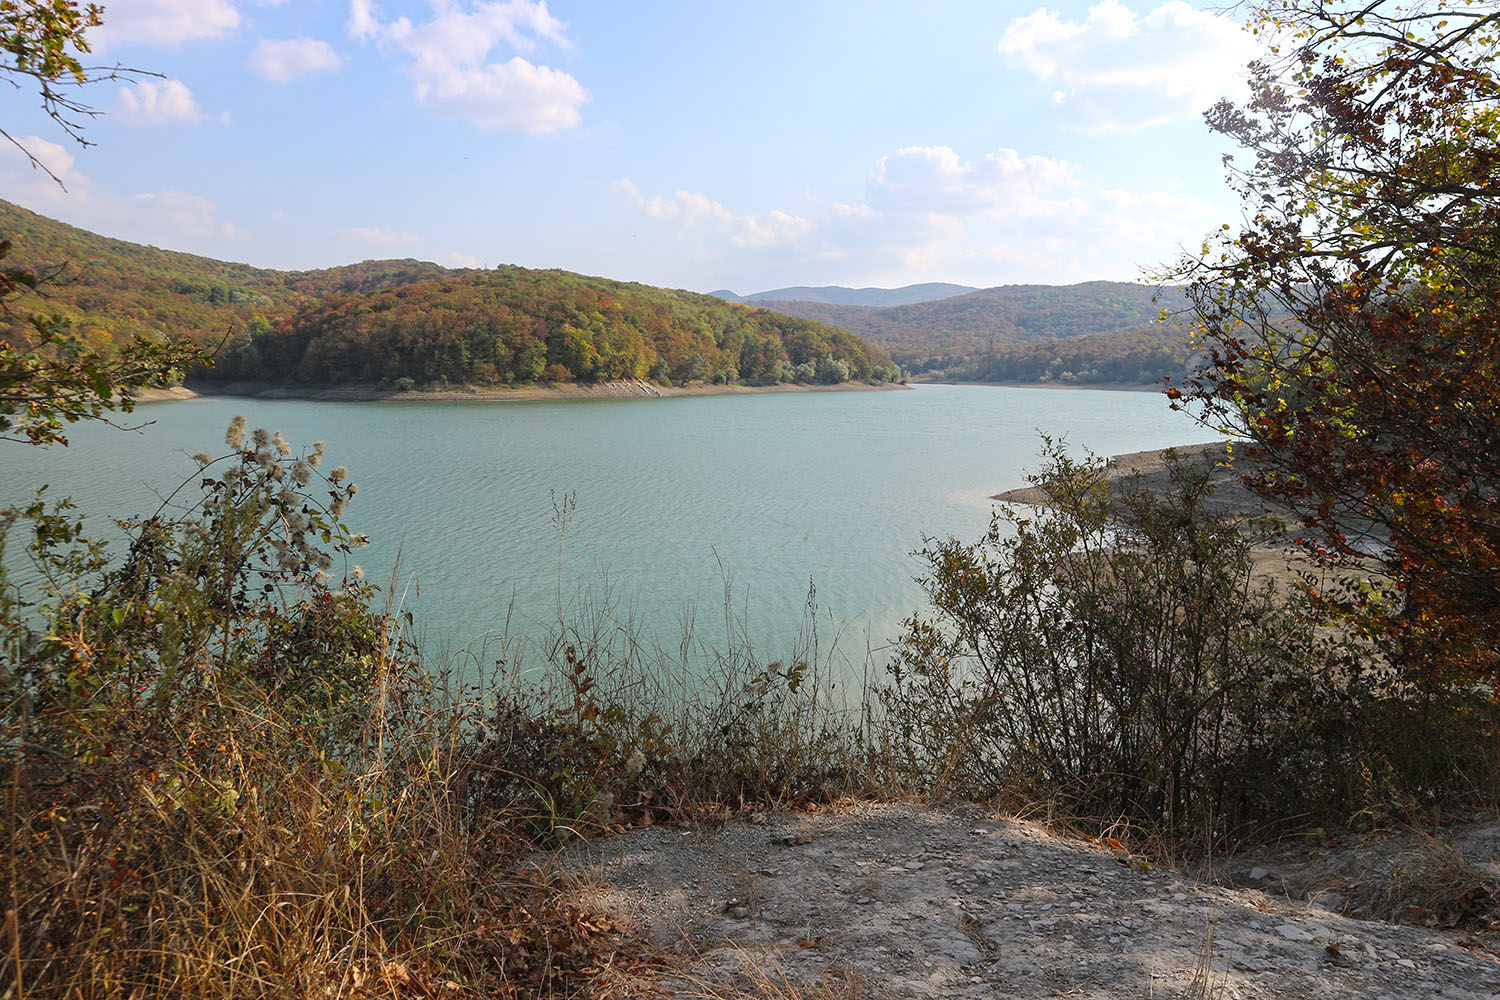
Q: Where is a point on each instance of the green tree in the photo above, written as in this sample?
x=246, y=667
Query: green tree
x=1353, y=321
x=1116, y=656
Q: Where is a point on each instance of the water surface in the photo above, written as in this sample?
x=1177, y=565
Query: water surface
x=675, y=498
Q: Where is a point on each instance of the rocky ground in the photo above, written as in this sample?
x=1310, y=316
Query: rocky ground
x=902, y=900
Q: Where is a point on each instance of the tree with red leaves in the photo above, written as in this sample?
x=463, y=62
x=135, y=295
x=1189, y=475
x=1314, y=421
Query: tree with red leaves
x=1352, y=321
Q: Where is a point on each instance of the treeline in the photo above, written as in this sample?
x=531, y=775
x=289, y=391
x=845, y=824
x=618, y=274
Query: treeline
x=955, y=337
x=514, y=326
x=1138, y=357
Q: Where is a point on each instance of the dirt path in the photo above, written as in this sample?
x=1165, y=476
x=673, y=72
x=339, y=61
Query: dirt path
x=916, y=902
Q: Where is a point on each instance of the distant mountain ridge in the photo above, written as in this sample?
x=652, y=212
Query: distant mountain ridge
x=1094, y=331
x=839, y=295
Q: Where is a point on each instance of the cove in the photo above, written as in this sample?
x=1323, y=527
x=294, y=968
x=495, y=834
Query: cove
x=498, y=517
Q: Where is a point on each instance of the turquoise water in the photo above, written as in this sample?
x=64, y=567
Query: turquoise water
x=676, y=499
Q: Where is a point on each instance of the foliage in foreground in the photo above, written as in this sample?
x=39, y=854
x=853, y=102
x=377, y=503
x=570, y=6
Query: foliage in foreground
x=1353, y=319
x=1117, y=660
x=49, y=376
x=222, y=777
x=225, y=773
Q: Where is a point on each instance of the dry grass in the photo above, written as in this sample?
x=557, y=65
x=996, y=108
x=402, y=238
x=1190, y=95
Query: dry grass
x=229, y=861
x=743, y=975
x=231, y=845
x=1430, y=884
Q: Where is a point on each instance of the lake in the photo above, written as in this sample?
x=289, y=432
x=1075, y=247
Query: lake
x=675, y=502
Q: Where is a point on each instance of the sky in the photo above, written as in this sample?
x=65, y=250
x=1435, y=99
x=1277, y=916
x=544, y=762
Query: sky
x=697, y=144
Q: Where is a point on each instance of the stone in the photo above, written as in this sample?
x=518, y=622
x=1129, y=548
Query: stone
x=1104, y=932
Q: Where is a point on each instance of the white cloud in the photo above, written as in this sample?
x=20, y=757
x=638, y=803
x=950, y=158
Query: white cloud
x=283, y=60
x=183, y=215
x=456, y=259
x=688, y=208
x=1153, y=217
x=36, y=159
x=178, y=220
x=935, y=179
x=927, y=213
x=364, y=20
x=510, y=95
x=775, y=228
x=167, y=102
x=164, y=22
x=380, y=237
x=453, y=72
x=1117, y=70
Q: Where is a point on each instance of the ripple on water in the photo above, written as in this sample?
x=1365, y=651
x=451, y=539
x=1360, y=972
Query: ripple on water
x=673, y=496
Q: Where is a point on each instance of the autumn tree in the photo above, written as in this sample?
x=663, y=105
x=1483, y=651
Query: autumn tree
x=53, y=377
x=1352, y=319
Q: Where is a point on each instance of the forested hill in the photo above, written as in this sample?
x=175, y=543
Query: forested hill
x=115, y=289
x=411, y=320
x=996, y=332
x=516, y=326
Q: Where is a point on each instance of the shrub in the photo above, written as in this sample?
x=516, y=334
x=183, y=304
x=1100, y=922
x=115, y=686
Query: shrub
x=224, y=775
x=1115, y=657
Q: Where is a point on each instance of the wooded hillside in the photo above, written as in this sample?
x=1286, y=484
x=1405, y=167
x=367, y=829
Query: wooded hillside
x=976, y=335
x=511, y=325
x=397, y=320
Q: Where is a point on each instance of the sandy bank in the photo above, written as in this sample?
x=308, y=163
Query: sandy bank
x=1272, y=556
x=623, y=389
x=1230, y=493
x=1104, y=386
x=164, y=395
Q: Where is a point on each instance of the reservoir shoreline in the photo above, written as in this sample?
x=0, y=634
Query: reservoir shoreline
x=620, y=389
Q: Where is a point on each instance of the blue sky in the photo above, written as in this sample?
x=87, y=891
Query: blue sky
x=699, y=145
